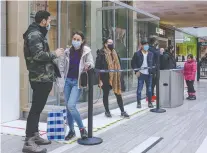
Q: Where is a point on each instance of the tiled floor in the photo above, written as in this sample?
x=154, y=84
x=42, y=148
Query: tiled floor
x=12, y=130
x=183, y=130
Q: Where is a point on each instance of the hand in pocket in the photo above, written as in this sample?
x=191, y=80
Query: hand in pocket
x=138, y=74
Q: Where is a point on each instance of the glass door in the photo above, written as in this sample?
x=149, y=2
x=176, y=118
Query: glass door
x=115, y=25
x=50, y=6
x=127, y=26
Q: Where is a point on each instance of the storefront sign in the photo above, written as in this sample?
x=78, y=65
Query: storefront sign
x=160, y=31
x=186, y=38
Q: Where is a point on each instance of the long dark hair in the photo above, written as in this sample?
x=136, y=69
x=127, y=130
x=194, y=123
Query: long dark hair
x=190, y=56
x=105, y=40
x=80, y=33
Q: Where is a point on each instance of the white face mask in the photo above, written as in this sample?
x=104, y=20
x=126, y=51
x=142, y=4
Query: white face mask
x=76, y=44
x=48, y=27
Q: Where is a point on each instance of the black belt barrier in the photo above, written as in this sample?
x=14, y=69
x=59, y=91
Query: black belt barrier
x=158, y=109
x=94, y=140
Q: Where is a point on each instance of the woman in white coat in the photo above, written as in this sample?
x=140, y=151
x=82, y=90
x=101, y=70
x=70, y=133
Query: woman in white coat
x=77, y=59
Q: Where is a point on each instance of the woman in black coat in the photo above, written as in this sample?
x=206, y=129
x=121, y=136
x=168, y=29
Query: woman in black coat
x=107, y=59
x=168, y=59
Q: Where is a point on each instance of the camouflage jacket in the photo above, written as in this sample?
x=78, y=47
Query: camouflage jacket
x=39, y=59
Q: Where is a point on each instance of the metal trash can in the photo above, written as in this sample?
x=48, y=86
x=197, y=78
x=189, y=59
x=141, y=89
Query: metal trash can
x=171, y=88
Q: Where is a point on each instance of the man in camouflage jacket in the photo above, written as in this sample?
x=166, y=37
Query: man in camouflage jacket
x=41, y=66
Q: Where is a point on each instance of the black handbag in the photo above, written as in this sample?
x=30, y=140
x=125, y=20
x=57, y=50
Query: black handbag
x=56, y=69
x=84, y=79
x=123, y=86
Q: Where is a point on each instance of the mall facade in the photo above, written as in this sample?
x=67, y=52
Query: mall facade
x=118, y=20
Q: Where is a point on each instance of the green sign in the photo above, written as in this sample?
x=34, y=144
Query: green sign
x=189, y=39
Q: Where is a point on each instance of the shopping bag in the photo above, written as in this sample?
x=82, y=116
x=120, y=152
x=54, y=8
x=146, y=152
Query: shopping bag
x=56, y=125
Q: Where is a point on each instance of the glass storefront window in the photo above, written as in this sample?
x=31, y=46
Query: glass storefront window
x=73, y=16
x=202, y=47
x=127, y=28
x=50, y=6
x=166, y=37
x=185, y=44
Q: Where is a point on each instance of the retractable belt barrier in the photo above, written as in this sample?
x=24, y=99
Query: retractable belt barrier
x=95, y=140
x=127, y=70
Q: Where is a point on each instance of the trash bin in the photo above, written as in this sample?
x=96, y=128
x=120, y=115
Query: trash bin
x=171, y=88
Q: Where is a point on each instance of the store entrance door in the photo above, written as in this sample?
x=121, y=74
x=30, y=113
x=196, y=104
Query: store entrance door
x=163, y=42
x=121, y=23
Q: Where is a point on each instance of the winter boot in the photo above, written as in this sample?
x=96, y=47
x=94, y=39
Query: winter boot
x=41, y=141
x=31, y=147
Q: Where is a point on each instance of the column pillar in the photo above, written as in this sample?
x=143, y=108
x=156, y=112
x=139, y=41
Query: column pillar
x=3, y=28
x=17, y=24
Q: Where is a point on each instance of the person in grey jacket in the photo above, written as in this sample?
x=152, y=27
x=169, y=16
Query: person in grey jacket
x=77, y=59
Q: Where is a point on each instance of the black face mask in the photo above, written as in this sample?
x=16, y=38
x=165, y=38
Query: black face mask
x=43, y=30
x=111, y=46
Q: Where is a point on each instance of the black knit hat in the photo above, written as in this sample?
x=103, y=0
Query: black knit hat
x=144, y=41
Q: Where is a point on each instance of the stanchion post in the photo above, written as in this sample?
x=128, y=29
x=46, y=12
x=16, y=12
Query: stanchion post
x=158, y=109
x=90, y=103
x=90, y=140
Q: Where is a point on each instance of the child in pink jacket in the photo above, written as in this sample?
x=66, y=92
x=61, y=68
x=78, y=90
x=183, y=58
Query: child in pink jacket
x=189, y=74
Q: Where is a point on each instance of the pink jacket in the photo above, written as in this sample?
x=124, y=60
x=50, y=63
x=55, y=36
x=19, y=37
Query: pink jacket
x=190, y=70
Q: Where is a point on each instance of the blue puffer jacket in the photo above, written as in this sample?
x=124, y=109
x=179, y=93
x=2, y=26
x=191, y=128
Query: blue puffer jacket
x=138, y=58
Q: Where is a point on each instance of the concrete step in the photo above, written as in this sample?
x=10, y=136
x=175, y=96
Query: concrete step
x=98, y=107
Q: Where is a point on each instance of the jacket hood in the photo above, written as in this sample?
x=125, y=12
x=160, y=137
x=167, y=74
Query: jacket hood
x=32, y=27
x=86, y=50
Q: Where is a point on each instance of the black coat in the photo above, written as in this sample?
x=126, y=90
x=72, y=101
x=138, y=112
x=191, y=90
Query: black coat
x=102, y=64
x=156, y=53
x=162, y=64
x=137, y=60
x=168, y=61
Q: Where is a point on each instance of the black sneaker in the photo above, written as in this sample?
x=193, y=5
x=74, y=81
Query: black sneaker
x=188, y=98
x=70, y=135
x=124, y=114
x=108, y=114
x=84, y=133
x=139, y=104
x=150, y=105
x=192, y=98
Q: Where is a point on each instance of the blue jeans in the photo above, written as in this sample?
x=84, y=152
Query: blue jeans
x=148, y=81
x=72, y=95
